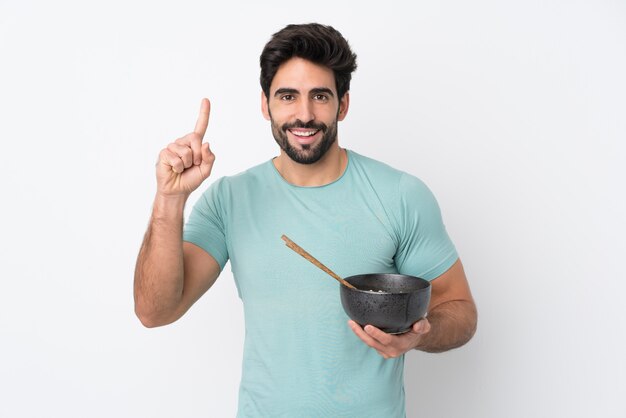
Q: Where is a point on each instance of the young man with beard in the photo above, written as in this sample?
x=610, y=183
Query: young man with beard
x=302, y=357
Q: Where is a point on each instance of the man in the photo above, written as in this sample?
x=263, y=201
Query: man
x=301, y=358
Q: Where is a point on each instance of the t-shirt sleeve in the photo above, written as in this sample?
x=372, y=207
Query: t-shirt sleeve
x=205, y=226
x=425, y=249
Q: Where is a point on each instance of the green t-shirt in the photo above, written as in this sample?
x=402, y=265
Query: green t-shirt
x=300, y=357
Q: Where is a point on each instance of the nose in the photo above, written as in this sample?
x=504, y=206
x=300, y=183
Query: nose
x=304, y=111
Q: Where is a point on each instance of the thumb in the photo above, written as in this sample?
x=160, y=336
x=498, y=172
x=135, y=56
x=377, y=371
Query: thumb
x=208, y=158
x=421, y=327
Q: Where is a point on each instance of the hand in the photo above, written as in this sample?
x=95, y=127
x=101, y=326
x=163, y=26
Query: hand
x=187, y=162
x=390, y=345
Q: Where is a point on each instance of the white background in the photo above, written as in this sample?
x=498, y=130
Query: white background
x=514, y=113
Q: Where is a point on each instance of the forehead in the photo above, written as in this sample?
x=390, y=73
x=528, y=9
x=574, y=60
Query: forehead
x=302, y=75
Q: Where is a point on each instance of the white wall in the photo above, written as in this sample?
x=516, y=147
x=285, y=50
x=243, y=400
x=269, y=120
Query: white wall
x=512, y=112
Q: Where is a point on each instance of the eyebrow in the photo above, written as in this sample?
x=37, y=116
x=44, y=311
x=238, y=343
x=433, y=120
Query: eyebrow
x=316, y=90
x=285, y=90
x=326, y=90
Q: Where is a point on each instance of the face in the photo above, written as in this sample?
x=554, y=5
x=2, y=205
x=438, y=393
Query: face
x=303, y=108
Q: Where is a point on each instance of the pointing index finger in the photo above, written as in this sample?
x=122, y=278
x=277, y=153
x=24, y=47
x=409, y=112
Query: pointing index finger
x=203, y=118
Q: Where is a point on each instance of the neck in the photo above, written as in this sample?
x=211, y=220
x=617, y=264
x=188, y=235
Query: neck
x=328, y=169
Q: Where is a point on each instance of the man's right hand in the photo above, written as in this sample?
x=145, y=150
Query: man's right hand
x=185, y=163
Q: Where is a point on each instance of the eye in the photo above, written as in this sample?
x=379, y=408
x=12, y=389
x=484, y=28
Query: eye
x=320, y=97
x=287, y=97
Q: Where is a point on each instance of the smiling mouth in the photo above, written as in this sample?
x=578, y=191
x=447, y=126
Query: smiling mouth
x=302, y=133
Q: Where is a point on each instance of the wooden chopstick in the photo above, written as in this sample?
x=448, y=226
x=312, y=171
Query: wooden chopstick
x=313, y=260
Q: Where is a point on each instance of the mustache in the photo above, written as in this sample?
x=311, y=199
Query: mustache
x=309, y=125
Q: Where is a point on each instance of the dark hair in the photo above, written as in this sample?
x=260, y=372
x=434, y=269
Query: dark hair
x=317, y=43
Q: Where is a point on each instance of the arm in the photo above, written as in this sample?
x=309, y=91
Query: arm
x=452, y=313
x=451, y=322
x=171, y=275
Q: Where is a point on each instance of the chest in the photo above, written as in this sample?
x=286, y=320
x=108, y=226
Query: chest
x=347, y=231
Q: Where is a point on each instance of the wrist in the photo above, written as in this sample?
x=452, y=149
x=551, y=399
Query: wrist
x=168, y=206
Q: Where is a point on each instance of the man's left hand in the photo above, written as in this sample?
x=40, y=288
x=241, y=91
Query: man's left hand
x=390, y=345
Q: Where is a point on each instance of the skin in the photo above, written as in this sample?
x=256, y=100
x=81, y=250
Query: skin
x=171, y=275
x=451, y=320
x=305, y=92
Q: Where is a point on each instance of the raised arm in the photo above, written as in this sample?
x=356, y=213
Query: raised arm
x=170, y=275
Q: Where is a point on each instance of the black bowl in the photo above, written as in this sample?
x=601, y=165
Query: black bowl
x=391, y=302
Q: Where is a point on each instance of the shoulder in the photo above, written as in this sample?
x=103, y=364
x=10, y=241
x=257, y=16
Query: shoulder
x=402, y=192
x=411, y=185
x=376, y=172
x=417, y=200
x=382, y=174
x=368, y=163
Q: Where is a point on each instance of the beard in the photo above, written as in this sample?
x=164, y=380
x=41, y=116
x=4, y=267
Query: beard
x=308, y=153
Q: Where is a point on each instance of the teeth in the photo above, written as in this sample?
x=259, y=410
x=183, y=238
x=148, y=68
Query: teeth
x=302, y=133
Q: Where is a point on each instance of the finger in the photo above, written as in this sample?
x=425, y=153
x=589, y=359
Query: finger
x=378, y=335
x=168, y=158
x=194, y=142
x=203, y=118
x=367, y=339
x=383, y=354
x=208, y=158
x=421, y=327
x=183, y=152
x=196, y=149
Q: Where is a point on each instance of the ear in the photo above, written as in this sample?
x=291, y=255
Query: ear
x=344, y=104
x=264, y=106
